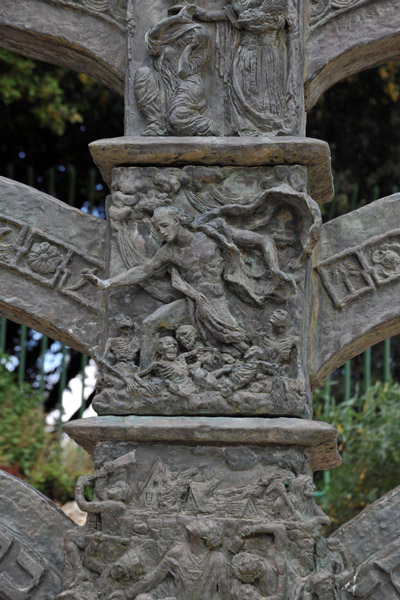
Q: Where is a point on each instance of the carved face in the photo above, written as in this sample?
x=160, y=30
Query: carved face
x=186, y=335
x=208, y=530
x=323, y=585
x=126, y=326
x=279, y=318
x=119, y=491
x=168, y=348
x=129, y=566
x=248, y=567
x=168, y=227
x=309, y=488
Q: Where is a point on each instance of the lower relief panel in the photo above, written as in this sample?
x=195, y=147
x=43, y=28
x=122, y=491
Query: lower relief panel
x=201, y=523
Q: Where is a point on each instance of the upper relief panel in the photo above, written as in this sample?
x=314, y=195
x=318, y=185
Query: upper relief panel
x=216, y=69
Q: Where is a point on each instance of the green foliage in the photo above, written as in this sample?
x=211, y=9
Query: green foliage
x=51, y=113
x=27, y=449
x=369, y=441
x=42, y=91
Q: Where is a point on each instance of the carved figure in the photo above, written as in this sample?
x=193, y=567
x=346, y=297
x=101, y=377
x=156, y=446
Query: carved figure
x=123, y=350
x=279, y=348
x=172, y=97
x=197, y=565
x=252, y=368
x=306, y=533
x=87, y=547
x=345, y=273
x=120, y=371
x=137, y=205
x=259, y=71
x=388, y=256
x=276, y=501
x=303, y=489
x=188, y=338
x=267, y=572
x=200, y=279
x=244, y=238
x=171, y=368
x=324, y=585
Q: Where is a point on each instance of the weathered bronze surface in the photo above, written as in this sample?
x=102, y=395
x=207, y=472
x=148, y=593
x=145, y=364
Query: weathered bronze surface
x=31, y=553
x=212, y=300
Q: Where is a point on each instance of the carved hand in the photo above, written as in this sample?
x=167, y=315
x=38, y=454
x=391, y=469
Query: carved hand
x=187, y=12
x=102, y=284
x=108, y=467
x=246, y=531
x=149, y=387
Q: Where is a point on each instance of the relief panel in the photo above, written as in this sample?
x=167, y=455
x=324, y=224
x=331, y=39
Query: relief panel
x=362, y=269
x=201, y=522
x=214, y=258
x=217, y=68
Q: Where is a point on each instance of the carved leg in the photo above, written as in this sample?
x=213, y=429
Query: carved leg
x=185, y=112
x=271, y=258
x=150, y=101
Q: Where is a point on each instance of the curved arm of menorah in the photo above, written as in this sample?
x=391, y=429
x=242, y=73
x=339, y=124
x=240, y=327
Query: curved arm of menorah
x=347, y=40
x=44, y=246
x=72, y=36
x=356, y=283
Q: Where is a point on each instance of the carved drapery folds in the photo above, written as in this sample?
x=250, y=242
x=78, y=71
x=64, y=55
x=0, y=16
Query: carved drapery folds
x=215, y=258
x=171, y=96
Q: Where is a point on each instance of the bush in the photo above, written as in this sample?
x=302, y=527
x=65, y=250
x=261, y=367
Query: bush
x=369, y=441
x=27, y=449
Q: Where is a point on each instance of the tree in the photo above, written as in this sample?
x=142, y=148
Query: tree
x=27, y=449
x=369, y=440
x=49, y=116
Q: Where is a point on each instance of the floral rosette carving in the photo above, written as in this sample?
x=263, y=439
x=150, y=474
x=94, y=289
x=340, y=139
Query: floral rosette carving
x=44, y=258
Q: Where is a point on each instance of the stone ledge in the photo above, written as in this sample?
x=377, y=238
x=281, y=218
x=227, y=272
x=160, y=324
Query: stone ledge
x=318, y=437
x=223, y=151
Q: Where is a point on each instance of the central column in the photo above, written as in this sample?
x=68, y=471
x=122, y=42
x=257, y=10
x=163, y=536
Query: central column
x=204, y=448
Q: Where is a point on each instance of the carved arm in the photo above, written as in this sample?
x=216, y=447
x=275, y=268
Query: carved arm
x=210, y=16
x=132, y=276
x=149, y=582
x=184, y=16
